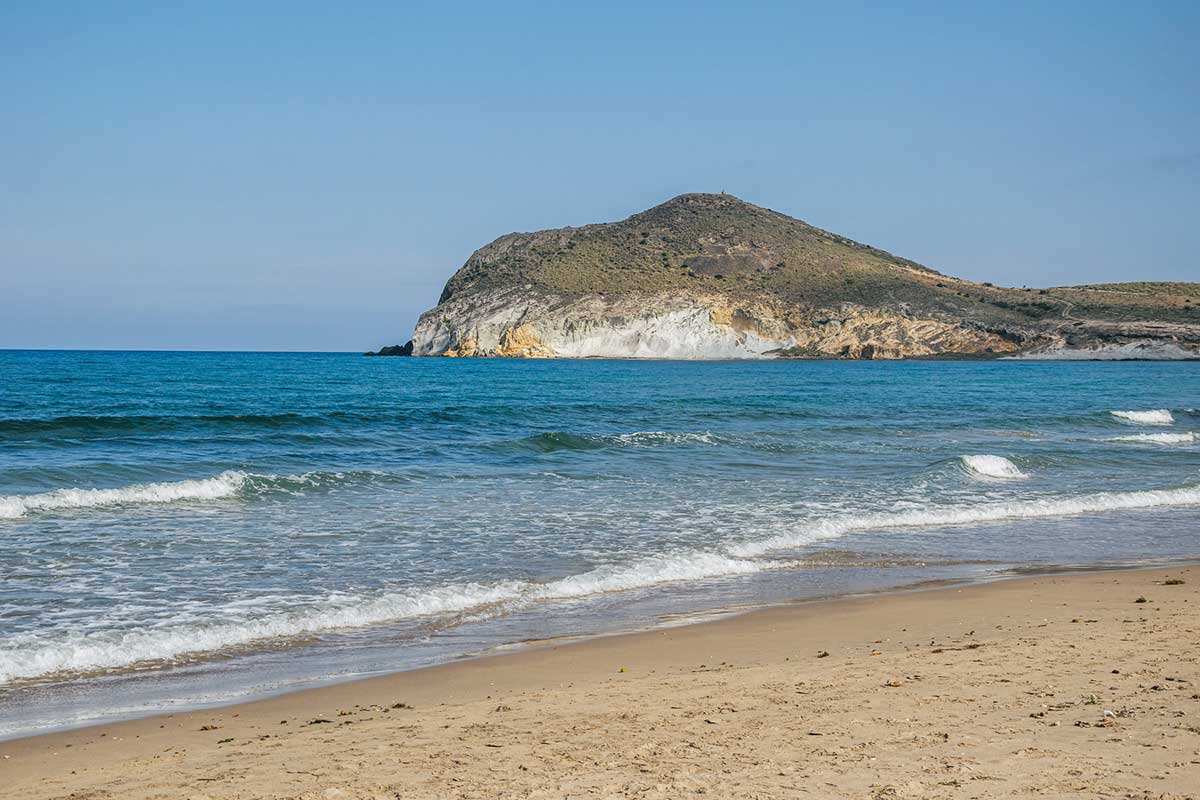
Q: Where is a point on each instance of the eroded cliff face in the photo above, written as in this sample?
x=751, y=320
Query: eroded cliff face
x=1103, y=340
x=516, y=323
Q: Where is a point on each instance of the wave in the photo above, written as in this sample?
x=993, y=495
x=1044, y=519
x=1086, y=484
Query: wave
x=960, y=515
x=648, y=572
x=224, y=485
x=1156, y=438
x=659, y=438
x=560, y=440
x=1157, y=416
x=30, y=656
x=227, y=484
x=78, y=426
x=991, y=468
x=551, y=442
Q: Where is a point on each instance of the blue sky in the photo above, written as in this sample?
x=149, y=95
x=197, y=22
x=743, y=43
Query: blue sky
x=307, y=175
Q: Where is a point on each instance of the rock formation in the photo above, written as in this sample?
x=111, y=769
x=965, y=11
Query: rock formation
x=405, y=349
x=711, y=276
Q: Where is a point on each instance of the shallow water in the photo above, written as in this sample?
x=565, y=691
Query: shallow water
x=187, y=528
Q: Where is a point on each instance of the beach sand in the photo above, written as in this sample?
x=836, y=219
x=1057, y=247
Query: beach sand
x=1045, y=686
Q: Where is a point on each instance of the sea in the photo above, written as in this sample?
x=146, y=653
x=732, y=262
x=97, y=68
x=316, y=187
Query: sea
x=180, y=530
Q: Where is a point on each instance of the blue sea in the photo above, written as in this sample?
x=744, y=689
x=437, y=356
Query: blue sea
x=183, y=529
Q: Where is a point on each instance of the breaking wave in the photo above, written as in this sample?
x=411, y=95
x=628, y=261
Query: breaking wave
x=559, y=440
x=1157, y=416
x=30, y=656
x=965, y=515
x=649, y=572
x=230, y=483
x=991, y=468
x=224, y=485
x=1156, y=438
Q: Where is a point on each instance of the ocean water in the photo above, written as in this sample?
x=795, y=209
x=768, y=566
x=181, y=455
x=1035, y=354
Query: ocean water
x=180, y=529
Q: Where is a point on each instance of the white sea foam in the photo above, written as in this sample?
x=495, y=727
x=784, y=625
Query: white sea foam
x=656, y=438
x=965, y=515
x=29, y=656
x=33, y=655
x=1157, y=416
x=647, y=572
x=223, y=485
x=226, y=484
x=992, y=468
x=1156, y=438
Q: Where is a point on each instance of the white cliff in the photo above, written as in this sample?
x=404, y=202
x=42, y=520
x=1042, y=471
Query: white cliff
x=517, y=323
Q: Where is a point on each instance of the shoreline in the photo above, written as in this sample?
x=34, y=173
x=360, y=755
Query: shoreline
x=657, y=621
x=663, y=622
x=572, y=679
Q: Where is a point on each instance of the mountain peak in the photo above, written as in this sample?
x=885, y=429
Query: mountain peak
x=704, y=199
x=699, y=201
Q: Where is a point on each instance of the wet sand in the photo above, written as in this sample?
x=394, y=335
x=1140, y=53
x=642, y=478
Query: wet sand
x=1052, y=686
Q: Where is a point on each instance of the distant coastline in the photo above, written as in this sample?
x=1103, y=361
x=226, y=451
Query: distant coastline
x=1111, y=354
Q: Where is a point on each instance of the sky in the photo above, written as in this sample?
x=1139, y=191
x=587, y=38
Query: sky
x=306, y=176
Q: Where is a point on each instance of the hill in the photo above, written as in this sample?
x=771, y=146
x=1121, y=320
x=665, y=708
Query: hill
x=712, y=276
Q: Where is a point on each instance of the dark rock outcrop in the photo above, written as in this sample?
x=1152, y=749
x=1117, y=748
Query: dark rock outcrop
x=405, y=349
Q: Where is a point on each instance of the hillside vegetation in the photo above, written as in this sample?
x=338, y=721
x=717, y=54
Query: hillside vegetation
x=717, y=243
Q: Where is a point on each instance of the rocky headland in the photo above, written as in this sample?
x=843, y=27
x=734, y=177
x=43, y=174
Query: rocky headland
x=709, y=276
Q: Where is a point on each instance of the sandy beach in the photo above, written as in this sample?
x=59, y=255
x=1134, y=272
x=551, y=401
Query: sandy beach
x=1062, y=685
